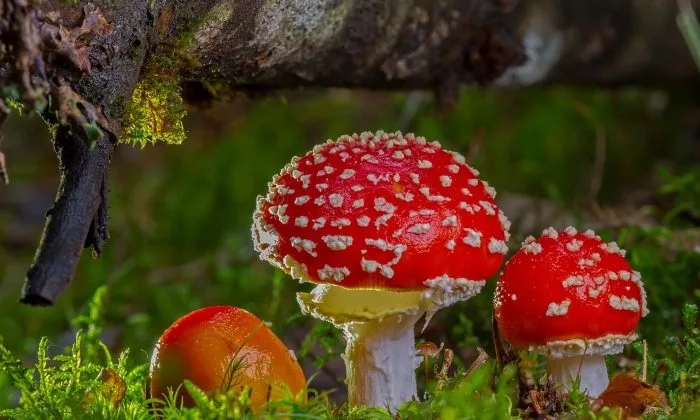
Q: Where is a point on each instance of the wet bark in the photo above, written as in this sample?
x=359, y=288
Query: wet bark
x=77, y=220
x=428, y=44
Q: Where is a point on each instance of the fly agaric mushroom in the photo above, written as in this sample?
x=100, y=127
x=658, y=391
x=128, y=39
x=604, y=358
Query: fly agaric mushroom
x=574, y=298
x=219, y=347
x=388, y=226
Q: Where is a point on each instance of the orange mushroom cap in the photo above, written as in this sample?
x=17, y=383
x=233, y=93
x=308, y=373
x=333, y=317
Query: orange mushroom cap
x=205, y=344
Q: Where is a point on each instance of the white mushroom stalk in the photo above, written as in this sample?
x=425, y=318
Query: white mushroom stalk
x=380, y=356
x=590, y=372
x=380, y=361
x=580, y=364
x=390, y=227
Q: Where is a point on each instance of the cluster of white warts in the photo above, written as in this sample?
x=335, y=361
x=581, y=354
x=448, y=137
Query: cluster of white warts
x=623, y=303
x=381, y=204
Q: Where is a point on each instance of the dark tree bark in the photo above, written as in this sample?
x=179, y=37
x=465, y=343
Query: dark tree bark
x=423, y=43
x=77, y=219
x=88, y=57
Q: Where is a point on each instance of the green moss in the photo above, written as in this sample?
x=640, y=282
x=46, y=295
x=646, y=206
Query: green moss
x=155, y=113
x=156, y=109
x=118, y=108
x=73, y=384
x=187, y=36
x=14, y=105
x=84, y=381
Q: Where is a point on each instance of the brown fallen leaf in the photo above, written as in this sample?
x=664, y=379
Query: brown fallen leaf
x=630, y=394
x=111, y=386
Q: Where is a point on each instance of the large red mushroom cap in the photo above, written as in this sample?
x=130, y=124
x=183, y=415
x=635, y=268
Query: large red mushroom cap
x=381, y=211
x=566, y=292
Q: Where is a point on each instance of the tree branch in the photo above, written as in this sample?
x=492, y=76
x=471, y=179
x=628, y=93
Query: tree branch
x=426, y=44
x=88, y=71
x=77, y=219
x=397, y=44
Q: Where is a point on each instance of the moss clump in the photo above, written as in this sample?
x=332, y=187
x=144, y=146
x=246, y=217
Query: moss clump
x=155, y=113
x=157, y=108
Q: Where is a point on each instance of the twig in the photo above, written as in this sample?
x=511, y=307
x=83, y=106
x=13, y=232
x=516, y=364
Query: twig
x=447, y=357
x=600, y=155
x=41, y=62
x=644, y=361
x=409, y=110
x=77, y=219
x=478, y=362
x=503, y=356
x=690, y=28
x=534, y=401
x=4, y=115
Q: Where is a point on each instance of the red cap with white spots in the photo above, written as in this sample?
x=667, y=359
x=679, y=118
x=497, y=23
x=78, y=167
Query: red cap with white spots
x=381, y=211
x=567, y=292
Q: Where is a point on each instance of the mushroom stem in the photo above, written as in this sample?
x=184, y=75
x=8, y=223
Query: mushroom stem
x=381, y=360
x=591, y=370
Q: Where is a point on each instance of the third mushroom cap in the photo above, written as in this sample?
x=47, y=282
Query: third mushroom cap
x=573, y=297
x=389, y=226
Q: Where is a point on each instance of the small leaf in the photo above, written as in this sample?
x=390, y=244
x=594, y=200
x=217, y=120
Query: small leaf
x=631, y=395
x=92, y=134
x=111, y=386
x=10, y=92
x=14, y=104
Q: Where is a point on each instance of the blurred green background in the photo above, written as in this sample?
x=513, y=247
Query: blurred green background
x=180, y=215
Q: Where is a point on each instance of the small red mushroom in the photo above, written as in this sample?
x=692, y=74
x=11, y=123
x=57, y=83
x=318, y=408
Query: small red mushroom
x=219, y=347
x=573, y=297
x=389, y=226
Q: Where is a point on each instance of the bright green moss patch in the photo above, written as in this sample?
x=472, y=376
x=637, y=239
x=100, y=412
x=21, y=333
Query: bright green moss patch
x=155, y=113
